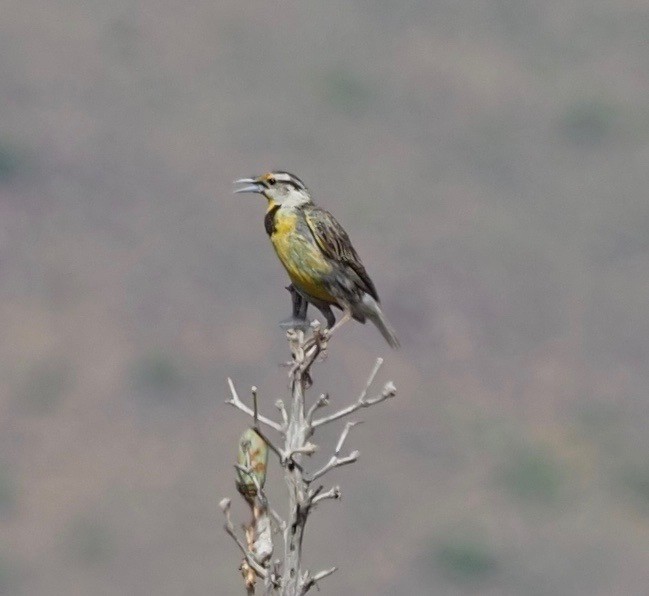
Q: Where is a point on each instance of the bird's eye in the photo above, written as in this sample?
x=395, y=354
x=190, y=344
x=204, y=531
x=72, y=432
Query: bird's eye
x=271, y=180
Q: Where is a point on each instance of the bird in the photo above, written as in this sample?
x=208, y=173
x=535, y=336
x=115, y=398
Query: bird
x=323, y=266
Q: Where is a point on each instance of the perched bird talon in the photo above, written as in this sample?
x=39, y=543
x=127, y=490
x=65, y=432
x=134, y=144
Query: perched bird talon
x=324, y=268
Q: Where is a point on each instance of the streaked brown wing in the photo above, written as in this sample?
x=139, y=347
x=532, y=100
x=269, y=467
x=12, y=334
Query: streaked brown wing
x=335, y=244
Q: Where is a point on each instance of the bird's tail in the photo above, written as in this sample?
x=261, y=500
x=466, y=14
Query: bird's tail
x=373, y=312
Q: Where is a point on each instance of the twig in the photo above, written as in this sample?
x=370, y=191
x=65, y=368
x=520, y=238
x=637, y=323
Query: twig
x=370, y=379
x=389, y=390
x=229, y=528
x=306, y=449
x=321, y=402
x=274, y=578
x=334, y=462
x=309, y=582
x=317, y=335
x=237, y=403
x=281, y=524
x=343, y=435
x=322, y=574
x=360, y=402
x=258, y=430
x=312, y=353
x=255, y=415
x=332, y=493
x=276, y=450
x=279, y=404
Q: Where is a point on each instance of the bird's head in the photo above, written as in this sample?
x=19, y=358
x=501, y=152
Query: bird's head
x=277, y=187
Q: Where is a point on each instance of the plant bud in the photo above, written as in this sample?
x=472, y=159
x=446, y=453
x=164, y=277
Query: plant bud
x=253, y=455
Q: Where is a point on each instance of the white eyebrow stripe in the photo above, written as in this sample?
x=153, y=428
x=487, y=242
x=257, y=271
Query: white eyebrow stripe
x=291, y=179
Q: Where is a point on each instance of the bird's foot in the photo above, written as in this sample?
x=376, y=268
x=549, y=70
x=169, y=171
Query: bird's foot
x=330, y=330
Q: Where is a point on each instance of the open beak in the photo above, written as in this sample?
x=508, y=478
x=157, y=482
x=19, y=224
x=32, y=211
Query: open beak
x=251, y=185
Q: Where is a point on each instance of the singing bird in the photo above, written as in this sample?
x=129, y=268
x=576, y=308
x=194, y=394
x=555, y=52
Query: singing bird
x=317, y=254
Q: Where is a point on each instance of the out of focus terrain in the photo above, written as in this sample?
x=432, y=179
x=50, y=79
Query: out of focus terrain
x=490, y=161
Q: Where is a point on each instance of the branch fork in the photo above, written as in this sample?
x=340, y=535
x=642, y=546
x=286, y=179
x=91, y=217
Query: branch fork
x=295, y=428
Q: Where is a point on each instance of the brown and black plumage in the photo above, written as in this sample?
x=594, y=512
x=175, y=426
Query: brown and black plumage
x=324, y=268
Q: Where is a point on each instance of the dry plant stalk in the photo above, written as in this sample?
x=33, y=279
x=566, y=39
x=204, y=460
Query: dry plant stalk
x=285, y=576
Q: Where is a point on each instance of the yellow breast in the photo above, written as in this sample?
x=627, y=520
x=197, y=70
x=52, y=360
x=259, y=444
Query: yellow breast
x=307, y=267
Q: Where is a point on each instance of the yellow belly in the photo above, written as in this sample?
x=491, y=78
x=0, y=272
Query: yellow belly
x=302, y=258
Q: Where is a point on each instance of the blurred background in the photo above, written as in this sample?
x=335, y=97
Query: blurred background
x=489, y=160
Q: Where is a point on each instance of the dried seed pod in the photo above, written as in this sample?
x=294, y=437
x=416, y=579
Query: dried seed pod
x=252, y=455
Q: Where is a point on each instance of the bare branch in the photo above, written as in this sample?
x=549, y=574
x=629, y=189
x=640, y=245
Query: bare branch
x=229, y=528
x=255, y=414
x=343, y=435
x=272, y=446
x=274, y=578
x=322, y=574
x=296, y=428
x=317, y=335
x=370, y=379
x=237, y=403
x=332, y=493
x=389, y=390
x=312, y=352
x=306, y=449
x=309, y=352
x=281, y=524
x=334, y=462
x=296, y=342
x=308, y=582
x=279, y=404
x=321, y=402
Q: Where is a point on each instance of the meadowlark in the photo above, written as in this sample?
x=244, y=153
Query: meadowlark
x=317, y=254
